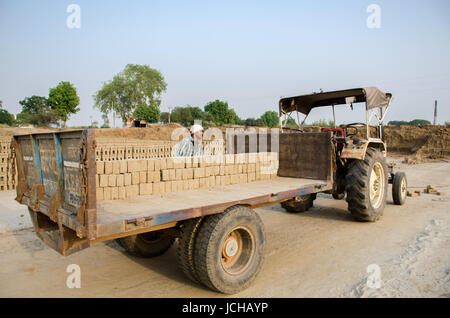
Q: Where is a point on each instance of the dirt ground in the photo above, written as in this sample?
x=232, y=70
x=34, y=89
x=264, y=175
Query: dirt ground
x=321, y=253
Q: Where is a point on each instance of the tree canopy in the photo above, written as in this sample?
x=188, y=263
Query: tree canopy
x=149, y=113
x=5, y=117
x=270, y=119
x=37, y=112
x=136, y=85
x=415, y=122
x=221, y=114
x=64, y=100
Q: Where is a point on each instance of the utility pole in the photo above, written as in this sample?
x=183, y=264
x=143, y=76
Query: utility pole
x=169, y=115
x=435, y=112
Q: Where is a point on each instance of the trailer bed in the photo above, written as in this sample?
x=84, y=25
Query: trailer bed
x=112, y=211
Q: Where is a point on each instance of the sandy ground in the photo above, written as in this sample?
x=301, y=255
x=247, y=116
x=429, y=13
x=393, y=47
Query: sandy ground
x=321, y=253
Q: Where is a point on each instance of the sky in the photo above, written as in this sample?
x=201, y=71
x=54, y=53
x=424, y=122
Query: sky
x=248, y=53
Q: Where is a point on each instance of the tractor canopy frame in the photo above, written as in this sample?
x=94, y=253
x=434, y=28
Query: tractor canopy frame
x=371, y=96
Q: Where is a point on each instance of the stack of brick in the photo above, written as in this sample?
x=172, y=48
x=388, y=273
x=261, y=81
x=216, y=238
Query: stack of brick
x=7, y=166
x=111, y=150
x=124, y=179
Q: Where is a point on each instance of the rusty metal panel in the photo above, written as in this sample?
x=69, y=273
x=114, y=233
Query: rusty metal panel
x=306, y=155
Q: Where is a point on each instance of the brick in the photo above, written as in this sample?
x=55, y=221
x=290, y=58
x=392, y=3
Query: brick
x=208, y=171
x=196, y=183
x=188, y=173
x=165, y=175
x=191, y=184
x=212, y=181
x=229, y=159
x=107, y=193
x=188, y=162
x=135, y=177
x=157, y=165
x=162, y=187
x=151, y=165
x=114, y=193
x=99, y=193
x=179, y=174
x=235, y=169
x=108, y=167
x=97, y=180
x=251, y=176
x=227, y=179
x=185, y=184
x=245, y=168
x=199, y=173
x=133, y=165
x=168, y=186
x=251, y=167
x=216, y=170
x=169, y=163
x=143, y=177
x=234, y=179
x=163, y=163
x=100, y=165
x=120, y=179
x=229, y=170
x=121, y=193
x=103, y=180
x=127, y=179
x=116, y=167
x=123, y=166
x=178, y=163
x=202, y=183
x=111, y=180
x=240, y=169
x=143, y=165
x=145, y=188
x=131, y=191
x=156, y=176
x=172, y=174
x=222, y=170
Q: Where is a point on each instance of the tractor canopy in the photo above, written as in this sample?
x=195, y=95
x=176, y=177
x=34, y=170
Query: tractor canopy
x=372, y=96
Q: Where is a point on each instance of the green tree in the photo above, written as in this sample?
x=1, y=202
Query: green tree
x=164, y=117
x=64, y=100
x=220, y=113
x=270, y=119
x=419, y=122
x=150, y=113
x=134, y=86
x=37, y=112
x=253, y=122
x=5, y=117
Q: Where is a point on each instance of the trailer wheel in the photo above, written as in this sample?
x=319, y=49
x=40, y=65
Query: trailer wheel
x=399, y=187
x=185, y=248
x=229, y=249
x=148, y=245
x=367, y=186
x=299, y=204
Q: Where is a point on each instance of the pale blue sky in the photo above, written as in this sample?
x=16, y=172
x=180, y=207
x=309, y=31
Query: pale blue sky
x=249, y=53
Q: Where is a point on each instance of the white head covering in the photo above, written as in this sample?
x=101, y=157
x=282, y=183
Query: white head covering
x=196, y=128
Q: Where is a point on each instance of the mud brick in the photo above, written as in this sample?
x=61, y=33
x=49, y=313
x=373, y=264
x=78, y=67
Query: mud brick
x=163, y=163
x=99, y=194
x=191, y=184
x=108, y=167
x=156, y=188
x=251, y=176
x=169, y=163
x=229, y=159
x=227, y=179
x=199, y=173
x=107, y=193
x=196, y=183
x=114, y=193
x=120, y=180
x=441, y=193
x=208, y=171
x=172, y=174
x=251, y=167
x=258, y=175
x=202, y=183
x=178, y=174
x=194, y=162
x=273, y=175
x=179, y=185
x=131, y=191
x=265, y=176
x=212, y=181
x=145, y=188
x=242, y=178
x=116, y=167
x=222, y=170
x=234, y=178
x=240, y=158
x=188, y=162
x=111, y=180
x=127, y=179
x=178, y=162
x=215, y=170
x=185, y=184
x=229, y=169
x=100, y=167
x=123, y=166
x=135, y=177
x=143, y=177
x=411, y=194
x=156, y=176
x=151, y=165
x=143, y=165
x=202, y=163
x=103, y=180
x=188, y=173
x=97, y=181
x=168, y=186
x=133, y=165
x=157, y=165
x=235, y=169
x=165, y=175
x=121, y=191
x=207, y=182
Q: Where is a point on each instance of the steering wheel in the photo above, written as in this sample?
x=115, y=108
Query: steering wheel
x=352, y=125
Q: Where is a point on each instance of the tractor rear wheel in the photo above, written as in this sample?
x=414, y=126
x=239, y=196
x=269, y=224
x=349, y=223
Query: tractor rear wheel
x=366, y=186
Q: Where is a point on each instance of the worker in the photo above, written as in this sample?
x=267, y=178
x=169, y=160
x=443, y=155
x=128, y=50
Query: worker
x=192, y=145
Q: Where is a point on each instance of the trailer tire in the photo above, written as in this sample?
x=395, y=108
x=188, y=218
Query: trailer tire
x=366, y=186
x=150, y=244
x=185, y=248
x=299, y=204
x=229, y=249
x=399, y=187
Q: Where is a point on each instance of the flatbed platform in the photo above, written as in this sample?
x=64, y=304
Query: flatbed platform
x=113, y=211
